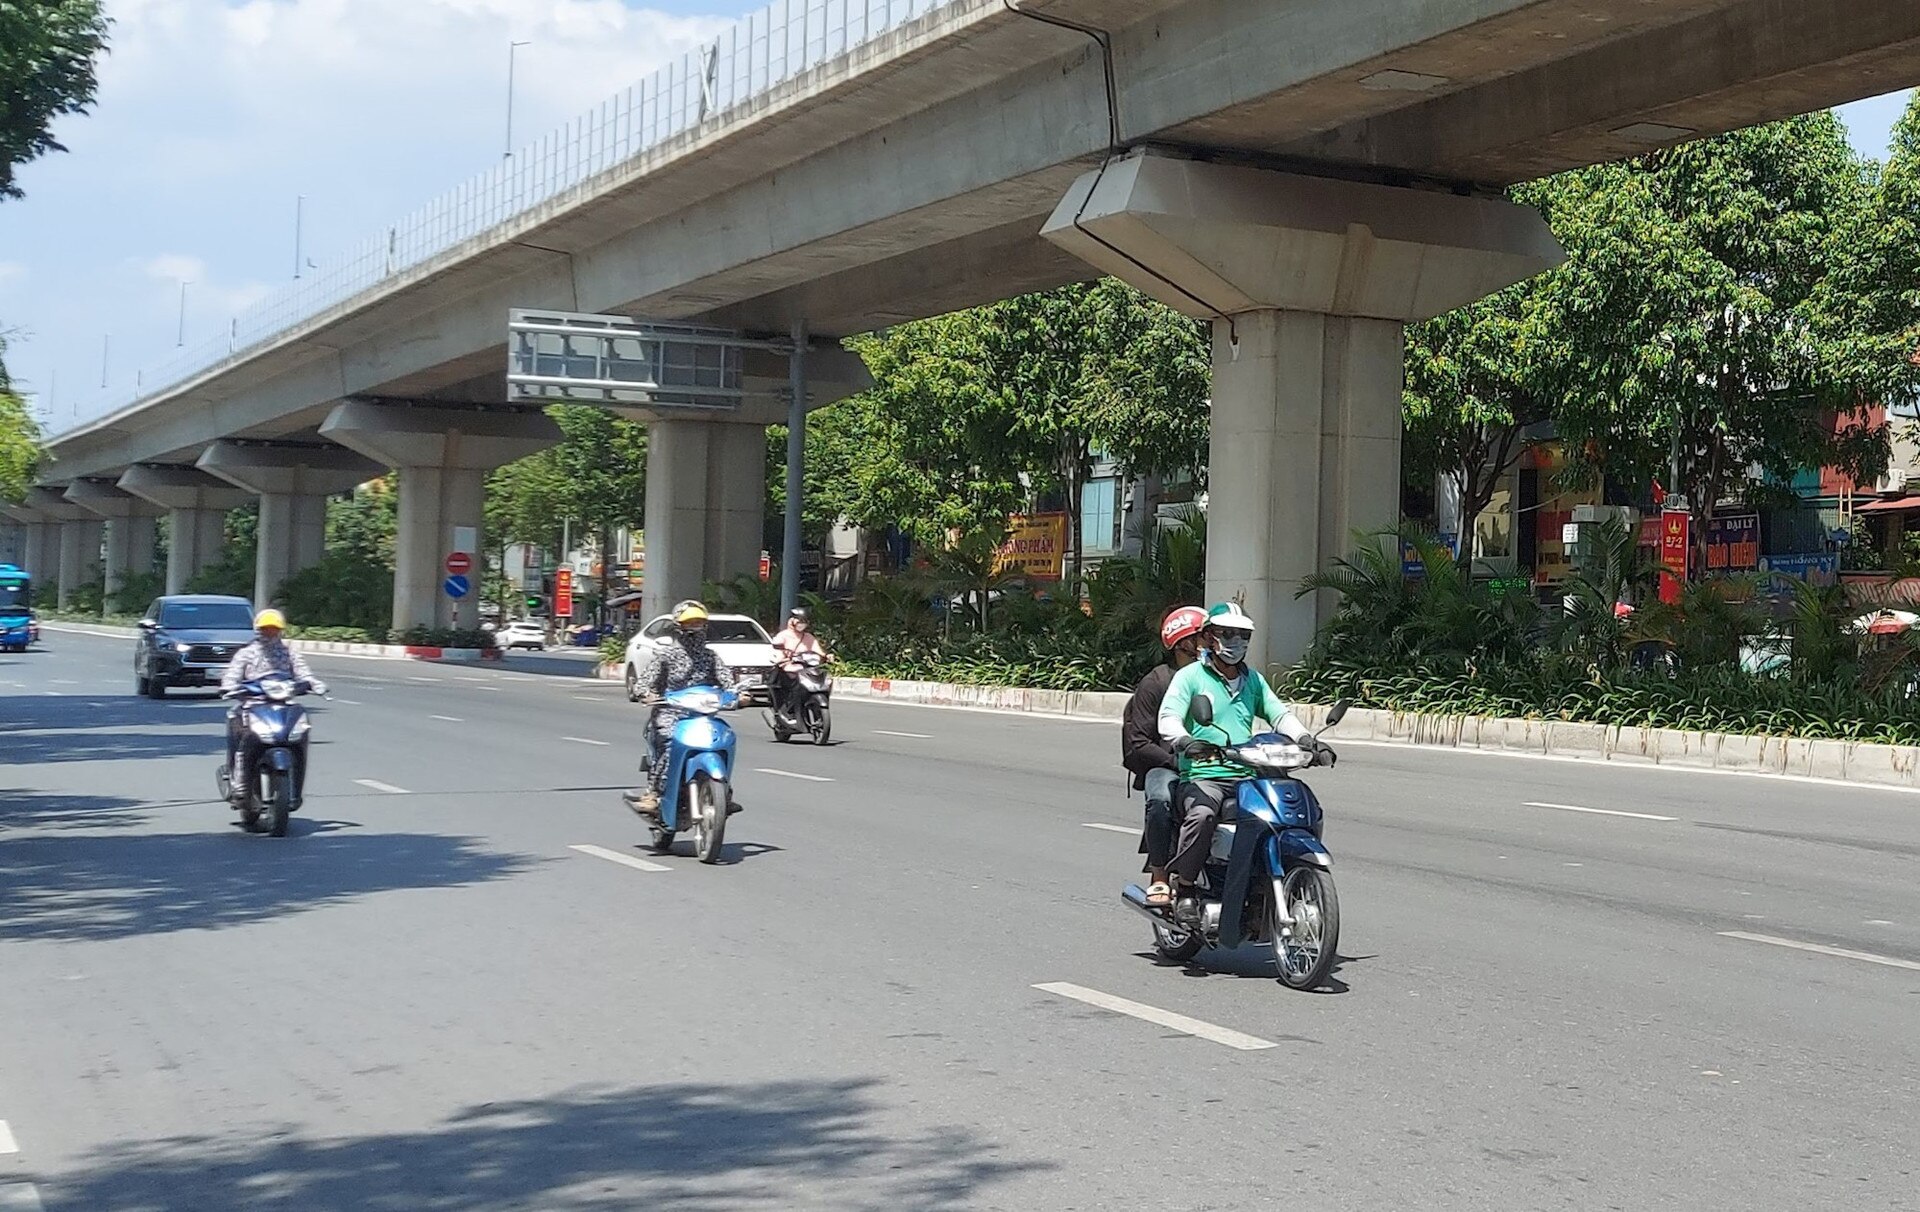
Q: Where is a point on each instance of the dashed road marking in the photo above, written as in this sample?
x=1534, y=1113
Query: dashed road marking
x=377, y=785
x=1126, y=829
x=1638, y=816
x=1865, y=957
x=1158, y=1017
x=581, y=740
x=351, y=702
x=414, y=677
x=7, y=1143
x=916, y=736
x=448, y=718
x=789, y=774
x=625, y=860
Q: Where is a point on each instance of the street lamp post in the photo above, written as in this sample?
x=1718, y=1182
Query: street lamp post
x=180, y=339
x=513, y=49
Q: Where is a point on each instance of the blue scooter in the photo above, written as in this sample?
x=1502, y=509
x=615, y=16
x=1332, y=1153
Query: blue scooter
x=273, y=751
x=1268, y=877
x=699, y=788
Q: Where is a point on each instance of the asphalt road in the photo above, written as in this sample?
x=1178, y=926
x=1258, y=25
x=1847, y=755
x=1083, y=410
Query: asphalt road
x=428, y=998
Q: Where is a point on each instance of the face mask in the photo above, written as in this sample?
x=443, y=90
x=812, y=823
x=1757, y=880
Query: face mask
x=1232, y=648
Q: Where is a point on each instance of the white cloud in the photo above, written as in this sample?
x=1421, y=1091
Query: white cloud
x=13, y=271
x=214, y=115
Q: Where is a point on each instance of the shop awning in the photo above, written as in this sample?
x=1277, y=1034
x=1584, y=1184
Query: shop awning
x=1896, y=505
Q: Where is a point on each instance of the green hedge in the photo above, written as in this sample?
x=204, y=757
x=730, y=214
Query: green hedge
x=1709, y=700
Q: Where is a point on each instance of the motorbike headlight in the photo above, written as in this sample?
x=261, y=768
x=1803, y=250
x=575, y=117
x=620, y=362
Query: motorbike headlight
x=300, y=728
x=262, y=727
x=278, y=690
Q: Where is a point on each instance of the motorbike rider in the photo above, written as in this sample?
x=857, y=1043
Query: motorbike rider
x=1239, y=697
x=266, y=656
x=1147, y=757
x=793, y=642
x=685, y=660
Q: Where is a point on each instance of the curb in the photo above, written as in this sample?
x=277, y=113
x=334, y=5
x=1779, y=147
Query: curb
x=396, y=652
x=1858, y=762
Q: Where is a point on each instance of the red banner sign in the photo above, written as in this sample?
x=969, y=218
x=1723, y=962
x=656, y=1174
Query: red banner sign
x=1676, y=534
x=563, y=594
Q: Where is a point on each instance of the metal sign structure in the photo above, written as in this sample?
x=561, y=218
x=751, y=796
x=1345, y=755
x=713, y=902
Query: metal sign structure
x=588, y=359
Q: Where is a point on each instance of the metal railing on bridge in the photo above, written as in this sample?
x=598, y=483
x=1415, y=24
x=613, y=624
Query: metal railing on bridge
x=761, y=52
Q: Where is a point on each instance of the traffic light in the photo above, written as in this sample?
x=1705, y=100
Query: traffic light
x=533, y=601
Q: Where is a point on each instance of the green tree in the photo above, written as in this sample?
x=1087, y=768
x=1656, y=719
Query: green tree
x=595, y=479
x=1694, y=329
x=19, y=440
x=47, y=54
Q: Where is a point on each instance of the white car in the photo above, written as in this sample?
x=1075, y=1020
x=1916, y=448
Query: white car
x=523, y=633
x=735, y=638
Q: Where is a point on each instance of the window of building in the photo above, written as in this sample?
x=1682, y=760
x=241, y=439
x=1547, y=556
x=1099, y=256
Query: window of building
x=1100, y=515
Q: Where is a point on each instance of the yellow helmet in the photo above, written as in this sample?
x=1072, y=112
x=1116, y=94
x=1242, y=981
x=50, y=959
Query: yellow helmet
x=269, y=618
x=689, y=613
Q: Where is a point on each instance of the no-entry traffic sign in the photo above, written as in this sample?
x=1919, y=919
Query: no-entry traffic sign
x=459, y=564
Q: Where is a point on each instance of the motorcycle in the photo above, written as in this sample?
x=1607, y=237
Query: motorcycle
x=699, y=787
x=805, y=708
x=1268, y=877
x=273, y=746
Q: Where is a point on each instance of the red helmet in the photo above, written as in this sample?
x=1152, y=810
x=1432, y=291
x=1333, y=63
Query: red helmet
x=1181, y=623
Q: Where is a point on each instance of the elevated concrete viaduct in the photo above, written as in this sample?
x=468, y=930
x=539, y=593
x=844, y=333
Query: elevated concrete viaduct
x=1307, y=174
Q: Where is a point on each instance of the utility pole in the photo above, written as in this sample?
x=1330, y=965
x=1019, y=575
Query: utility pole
x=513, y=48
x=796, y=469
x=299, y=216
x=180, y=340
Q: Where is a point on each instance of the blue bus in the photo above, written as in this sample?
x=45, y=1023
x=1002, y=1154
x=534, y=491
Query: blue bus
x=17, y=626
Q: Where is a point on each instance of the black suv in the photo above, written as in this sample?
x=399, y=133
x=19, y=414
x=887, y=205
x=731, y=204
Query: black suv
x=187, y=640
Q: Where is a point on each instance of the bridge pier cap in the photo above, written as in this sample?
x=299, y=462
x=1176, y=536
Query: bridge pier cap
x=196, y=505
x=293, y=483
x=443, y=454
x=1309, y=283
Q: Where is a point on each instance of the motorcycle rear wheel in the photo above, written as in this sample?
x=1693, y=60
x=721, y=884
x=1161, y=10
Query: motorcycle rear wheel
x=1307, y=951
x=1176, y=945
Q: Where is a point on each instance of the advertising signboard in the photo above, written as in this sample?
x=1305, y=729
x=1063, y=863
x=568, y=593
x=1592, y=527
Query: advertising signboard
x=1036, y=547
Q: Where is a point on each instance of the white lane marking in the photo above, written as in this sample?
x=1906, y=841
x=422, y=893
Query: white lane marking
x=351, y=702
x=585, y=740
x=467, y=677
x=414, y=677
x=917, y=736
x=448, y=718
x=1126, y=829
x=377, y=785
x=58, y=694
x=64, y=682
x=7, y=1143
x=1638, y=816
x=515, y=677
x=627, y=860
x=1159, y=1017
x=789, y=774
x=1821, y=949
x=1876, y=921
x=20, y=1197
x=494, y=689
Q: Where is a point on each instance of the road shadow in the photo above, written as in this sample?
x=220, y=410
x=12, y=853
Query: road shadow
x=105, y=745
x=548, y=665
x=64, y=810
x=668, y=1148
x=63, y=887
x=1253, y=960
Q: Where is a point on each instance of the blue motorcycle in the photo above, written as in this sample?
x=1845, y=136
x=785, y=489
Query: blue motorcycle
x=1268, y=878
x=273, y=753
x=699, y=787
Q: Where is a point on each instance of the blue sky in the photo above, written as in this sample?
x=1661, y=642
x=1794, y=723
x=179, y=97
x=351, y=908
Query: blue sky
x=215, y=115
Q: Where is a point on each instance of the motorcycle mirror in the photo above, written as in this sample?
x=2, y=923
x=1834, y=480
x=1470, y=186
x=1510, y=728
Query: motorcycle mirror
x=1201, y=709
x=148, y=624
x=1338, y=713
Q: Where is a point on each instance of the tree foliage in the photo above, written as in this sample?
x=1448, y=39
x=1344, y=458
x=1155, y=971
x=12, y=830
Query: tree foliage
x=596, y=478
x=47, y=54
x=19, y=440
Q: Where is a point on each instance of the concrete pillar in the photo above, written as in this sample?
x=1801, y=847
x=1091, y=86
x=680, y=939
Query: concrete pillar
x=706, y=506
x=132, y=530
x=293, y=483
x=1308, y=282
x=442, y=454
x=197, y=505
x=76, y=545
x=13, y=543
x=39, y=543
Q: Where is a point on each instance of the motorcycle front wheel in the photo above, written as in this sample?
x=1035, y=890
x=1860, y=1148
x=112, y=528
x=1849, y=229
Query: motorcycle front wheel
x=707, y=801
x=1306, y=950
x=279, y=802
x=819, y=721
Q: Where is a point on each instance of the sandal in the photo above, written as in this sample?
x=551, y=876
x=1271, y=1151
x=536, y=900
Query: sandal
x=1159, y=896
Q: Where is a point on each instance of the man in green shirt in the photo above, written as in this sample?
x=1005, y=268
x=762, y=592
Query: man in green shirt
x=1240, y=698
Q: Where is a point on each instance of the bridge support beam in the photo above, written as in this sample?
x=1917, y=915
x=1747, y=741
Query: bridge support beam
x=197, y=505
x=132, y=530
x=293, y=483
x=443, y=454
x=706, y=506
x=37, y=548
x=1309, y=283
